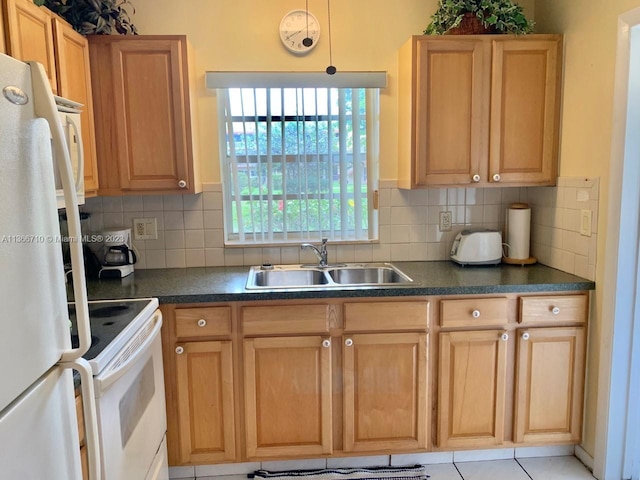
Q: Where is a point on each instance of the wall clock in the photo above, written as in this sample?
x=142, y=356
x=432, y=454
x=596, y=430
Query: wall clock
x=299, y=31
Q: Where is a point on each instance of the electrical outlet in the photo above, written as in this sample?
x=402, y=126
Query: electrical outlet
x=145, y=229
x=585, y=223
x=445, y=221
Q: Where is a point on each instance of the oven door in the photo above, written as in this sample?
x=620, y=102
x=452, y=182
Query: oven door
x=131, y=405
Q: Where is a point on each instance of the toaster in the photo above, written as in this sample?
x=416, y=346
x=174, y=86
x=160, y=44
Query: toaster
x=480, y=246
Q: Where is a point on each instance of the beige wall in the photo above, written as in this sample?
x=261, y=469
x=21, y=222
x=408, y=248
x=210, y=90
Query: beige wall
x=243, y=35
x=590, y=30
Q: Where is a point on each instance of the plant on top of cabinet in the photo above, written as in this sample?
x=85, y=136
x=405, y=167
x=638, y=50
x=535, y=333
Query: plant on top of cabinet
x=459, y=17
x=104, y=17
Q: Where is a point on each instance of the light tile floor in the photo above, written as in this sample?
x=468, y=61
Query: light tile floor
x=542, y=468
x=537, y=468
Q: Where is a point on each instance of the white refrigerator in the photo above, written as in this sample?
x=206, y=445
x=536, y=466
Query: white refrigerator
x=38, y=426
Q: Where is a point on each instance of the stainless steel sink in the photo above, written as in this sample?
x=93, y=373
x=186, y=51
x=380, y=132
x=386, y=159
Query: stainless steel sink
x=332, y=276
x=368, y=275
x=281, y=277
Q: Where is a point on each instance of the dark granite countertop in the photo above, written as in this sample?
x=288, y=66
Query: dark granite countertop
x=220, y=284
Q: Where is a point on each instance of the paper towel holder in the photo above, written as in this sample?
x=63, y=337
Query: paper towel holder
x=516, y=261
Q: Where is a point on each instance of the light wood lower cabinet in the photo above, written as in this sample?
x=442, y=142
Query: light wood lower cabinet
x=273, y=380
x=472, y=385
x=287, y=383
x=206, y=401
x=385, y=391
x=549, y=385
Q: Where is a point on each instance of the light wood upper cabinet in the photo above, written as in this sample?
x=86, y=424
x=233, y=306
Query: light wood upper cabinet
x=35, y=33
x=287, y=383
x=471, y=388
x=479, y=110
x=74, y=82
x=385, y=391
x=549, y=385
x=143, y=112
x=206, y=401
x=29, y=34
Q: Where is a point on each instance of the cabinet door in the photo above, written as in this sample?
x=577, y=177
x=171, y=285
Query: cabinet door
x=451, y=111
x=472, y=383
x=30, y=35
x=549, y=385
x=385, y=391
x=205, y=400
x=525, y=106
x=150, y=104
x=287, y=396
x=74, y=83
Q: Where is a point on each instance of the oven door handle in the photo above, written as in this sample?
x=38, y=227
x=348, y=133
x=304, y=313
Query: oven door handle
x=113, y=374
x=89, y=413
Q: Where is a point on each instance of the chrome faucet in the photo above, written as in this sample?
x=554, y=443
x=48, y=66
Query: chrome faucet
x=321, y=252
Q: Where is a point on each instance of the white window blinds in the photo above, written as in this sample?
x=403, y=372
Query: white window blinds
x=298, y=163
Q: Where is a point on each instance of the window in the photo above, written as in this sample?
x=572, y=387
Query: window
x=298, y=163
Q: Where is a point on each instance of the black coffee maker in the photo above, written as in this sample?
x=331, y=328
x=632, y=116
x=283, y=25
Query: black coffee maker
x=117, y=255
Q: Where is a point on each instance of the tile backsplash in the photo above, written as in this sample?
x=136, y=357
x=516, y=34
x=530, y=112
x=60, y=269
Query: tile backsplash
x=190, y=227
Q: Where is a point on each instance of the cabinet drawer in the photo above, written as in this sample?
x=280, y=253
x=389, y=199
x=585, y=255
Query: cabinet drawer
x=285, y=319
x=560, y=308
x=203, y=322
x=473, y=312
x=378, y=316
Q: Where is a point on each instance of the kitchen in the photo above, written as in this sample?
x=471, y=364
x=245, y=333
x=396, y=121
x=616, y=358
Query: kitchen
x=588, y=54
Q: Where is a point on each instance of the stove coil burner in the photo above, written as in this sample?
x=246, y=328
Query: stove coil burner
x=110, y=311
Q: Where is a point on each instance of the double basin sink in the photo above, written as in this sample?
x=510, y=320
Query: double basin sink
x=331, y=276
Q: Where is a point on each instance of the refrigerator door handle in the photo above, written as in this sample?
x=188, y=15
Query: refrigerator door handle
x=90, y=415
x=45, y=107
x=80, y=157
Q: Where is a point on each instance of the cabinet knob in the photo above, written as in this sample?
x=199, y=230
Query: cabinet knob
x=326, y=343
x=504, y=336
x=475, y=314
x=202, y=322
x=179, y=350
x=496, y=177
x=348, y=342
x=476, y=178
x=525, y=336
x=182, y=184
x=555, y=310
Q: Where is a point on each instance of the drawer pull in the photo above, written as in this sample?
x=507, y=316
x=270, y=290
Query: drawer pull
x=348, y=342
x=525, y=336
x=202, y=322
x=496, y=177
x=475, y=314
x=476, y=178
x=555, y=310
x=326, y=343
x=179, y=350
x=505, y=336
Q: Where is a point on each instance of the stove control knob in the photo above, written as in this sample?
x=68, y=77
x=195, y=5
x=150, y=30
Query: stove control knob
x=179, y=350
x=202, y=322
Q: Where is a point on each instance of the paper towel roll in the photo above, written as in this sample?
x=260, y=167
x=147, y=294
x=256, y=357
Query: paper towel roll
x=518, y=228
